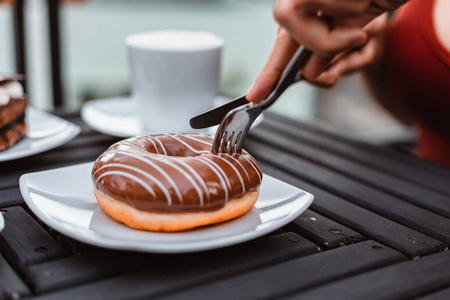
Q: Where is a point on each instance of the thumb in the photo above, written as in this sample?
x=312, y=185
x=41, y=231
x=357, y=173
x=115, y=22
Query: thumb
x=283, y=50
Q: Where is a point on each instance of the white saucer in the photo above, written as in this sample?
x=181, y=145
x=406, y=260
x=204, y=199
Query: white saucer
x=117, y=117
x=44, y=132
x=2, y=222
x=63, y=199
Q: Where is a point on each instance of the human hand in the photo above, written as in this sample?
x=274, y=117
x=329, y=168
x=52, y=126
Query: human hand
x=326, y=27
x=356, y=59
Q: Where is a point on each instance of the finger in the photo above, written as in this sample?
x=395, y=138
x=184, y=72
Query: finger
x=315, y=32
x=348, y=63
x=327, y=78
x=316, y=64
x=283, y=50
x=359, y=59
x=324, y=41
x=333, y=8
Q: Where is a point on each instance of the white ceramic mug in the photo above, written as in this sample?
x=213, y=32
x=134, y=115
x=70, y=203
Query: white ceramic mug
x=174, y=76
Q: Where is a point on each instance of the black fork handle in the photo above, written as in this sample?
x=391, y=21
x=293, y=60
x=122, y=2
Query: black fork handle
x=290, y=75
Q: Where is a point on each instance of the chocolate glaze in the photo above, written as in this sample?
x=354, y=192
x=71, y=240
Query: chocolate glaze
x=174, y=173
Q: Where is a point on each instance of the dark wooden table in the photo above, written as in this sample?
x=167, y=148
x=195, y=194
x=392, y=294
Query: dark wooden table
x=379, y=228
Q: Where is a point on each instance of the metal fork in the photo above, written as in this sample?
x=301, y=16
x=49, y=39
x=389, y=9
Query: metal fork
x=233, y=129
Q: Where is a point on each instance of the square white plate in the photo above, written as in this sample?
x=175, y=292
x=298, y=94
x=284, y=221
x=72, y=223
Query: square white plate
x=63, y=198
x=44, y=132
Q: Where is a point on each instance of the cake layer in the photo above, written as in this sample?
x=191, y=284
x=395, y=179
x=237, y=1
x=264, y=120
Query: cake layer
x=12, y=111
x=12, y=134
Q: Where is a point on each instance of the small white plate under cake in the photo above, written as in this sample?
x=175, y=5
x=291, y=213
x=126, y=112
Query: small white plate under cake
x=44, y=132
x=2, y=222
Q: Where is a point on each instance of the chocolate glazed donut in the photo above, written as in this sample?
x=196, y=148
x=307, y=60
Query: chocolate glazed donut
x=173, y=182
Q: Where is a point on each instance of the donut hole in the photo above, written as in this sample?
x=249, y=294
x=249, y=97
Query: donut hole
x=178, y=151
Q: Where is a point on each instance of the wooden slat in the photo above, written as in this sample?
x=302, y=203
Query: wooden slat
x=11, y=286
x=371, y=225
x=295, y=275
x=74, y=246
x=439, y=295
x=383, y=181
x=323, y=231
x=10, y=197
x=432, y=169
x=102, y=264
x=368, y=197
x=72, y=156
x=416, y=170
x=24, y=242
x=406, y=280
x=192, y=270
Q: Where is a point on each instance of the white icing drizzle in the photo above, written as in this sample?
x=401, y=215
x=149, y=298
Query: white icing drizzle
x=239, y=163
x=258, y=171
x=153, y=143
x=147, y=175
x=158, y=168
x=189, y=177
x=221, y=171
x=202, y=182
x=198, y=140
x=137, y=179
x=206, y=162
x=236, y=170
x=137, y=142
x=186, y=144
x=195, y=173
x=133, y=144
x=162, y=145
x=175, y=186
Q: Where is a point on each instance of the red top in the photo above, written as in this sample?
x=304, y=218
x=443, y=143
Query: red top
x=419, y=74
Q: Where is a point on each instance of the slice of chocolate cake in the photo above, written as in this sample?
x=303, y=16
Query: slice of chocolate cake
x=13, y=104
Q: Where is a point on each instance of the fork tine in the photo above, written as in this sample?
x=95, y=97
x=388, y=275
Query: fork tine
x=234, y=142
x=240, y=143
x=231, y=143
x=224, y=143
x=217, y=142
x=233, y=129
